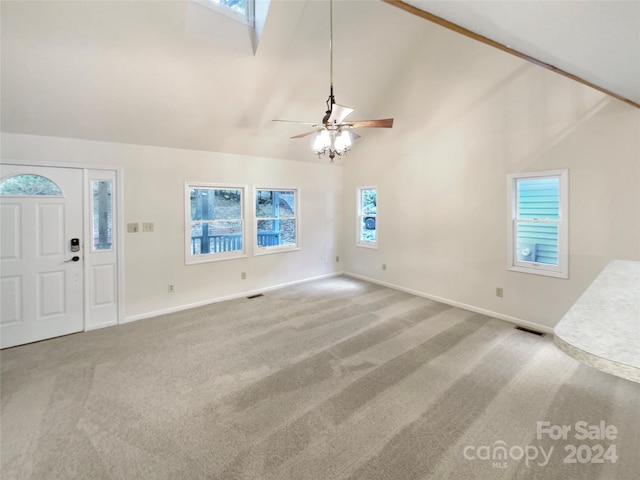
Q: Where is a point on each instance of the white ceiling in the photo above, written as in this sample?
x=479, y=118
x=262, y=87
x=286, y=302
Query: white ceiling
x=175, y=74
x=599, y=41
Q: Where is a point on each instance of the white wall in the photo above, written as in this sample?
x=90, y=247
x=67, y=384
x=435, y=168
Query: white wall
x=154, y=192
x=465, y=118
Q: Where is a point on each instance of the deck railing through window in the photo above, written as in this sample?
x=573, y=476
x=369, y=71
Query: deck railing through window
x=229, y=242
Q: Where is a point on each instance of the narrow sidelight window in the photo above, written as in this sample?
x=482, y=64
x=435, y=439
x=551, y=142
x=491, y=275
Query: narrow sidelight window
x=367, y=219
x=102, y=208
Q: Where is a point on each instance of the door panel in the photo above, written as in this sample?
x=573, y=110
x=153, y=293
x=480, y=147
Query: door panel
x=10, y=240
x=51, y=289
x=11, y=288
x=50, y=230
x=42, y=289
x=104, y=280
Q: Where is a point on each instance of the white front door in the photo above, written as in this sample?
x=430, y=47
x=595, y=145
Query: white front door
x=41, y=253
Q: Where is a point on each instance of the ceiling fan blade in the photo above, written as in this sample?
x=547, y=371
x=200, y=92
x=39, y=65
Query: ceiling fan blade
x=305, y=134
x=382, y=123
x=339, y=113
x=295, y=121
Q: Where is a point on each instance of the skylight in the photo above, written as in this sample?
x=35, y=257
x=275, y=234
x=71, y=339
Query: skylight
x=241, y=10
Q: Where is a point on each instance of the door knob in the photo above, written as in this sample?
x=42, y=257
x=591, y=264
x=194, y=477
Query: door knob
x=73, y=259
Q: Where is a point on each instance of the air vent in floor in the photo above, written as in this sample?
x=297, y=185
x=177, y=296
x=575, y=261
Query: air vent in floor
x=528, y=330
x=255, y=296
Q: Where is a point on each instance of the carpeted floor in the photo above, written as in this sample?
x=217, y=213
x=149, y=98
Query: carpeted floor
x=333, y=379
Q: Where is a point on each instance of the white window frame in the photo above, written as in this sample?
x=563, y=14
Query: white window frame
x=215, y=256
x=562, y=269
x=258, y=250
x=360, y=217
x=248, y=20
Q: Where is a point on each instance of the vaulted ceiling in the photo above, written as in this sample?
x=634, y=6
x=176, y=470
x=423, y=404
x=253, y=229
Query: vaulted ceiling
x=597, y=41
x=176, y=74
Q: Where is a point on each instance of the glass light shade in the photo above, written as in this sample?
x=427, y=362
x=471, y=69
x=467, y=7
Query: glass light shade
x=330, y=141
x=343, y=141
x=320, y=141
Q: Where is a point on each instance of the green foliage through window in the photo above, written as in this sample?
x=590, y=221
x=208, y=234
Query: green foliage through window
x=367, y=216
x=216, y=220
x=276, y=219
x=29, y=185
x=102, y=214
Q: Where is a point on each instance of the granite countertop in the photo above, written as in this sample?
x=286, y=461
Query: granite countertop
x=602, y=329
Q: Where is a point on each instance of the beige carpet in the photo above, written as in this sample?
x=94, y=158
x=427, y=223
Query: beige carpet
x=333, y=379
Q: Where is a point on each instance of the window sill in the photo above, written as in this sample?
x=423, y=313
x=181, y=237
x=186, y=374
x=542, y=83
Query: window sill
x=213, y=258
x=257, y=251
x=372, y=246
x=538, y=271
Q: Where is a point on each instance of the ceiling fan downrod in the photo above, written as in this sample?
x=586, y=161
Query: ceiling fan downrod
x=333, y=137
x=331, y=100
x=330, y=103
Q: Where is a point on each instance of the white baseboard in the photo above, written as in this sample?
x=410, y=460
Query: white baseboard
x=165, y=311
x=98, y=326
x=454, y=303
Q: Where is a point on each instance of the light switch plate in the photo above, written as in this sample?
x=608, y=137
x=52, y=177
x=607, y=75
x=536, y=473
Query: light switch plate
x=132, y=227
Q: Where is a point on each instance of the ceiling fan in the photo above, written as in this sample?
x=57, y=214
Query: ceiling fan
x=333, y=135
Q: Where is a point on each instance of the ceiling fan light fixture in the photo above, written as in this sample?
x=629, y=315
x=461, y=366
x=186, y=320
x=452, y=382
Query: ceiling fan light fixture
x=343, y=141
x=334, y=136
x=331, y=142
x=321, y=141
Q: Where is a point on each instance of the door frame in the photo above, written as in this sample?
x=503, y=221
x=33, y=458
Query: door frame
x=86, y=228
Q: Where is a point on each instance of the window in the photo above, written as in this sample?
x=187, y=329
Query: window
x=29, y=185
x=367, y=217
x=539, y=223
x=242, y=10
x=101, y=208
x=214, y=222
x=276, y=220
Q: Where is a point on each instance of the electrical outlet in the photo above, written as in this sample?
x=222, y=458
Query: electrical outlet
x=499, y=292
x=170, y=288
x=384, y=266
x=337, y=258
x=147, y=227
x=132, y=227
x=243, y=275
